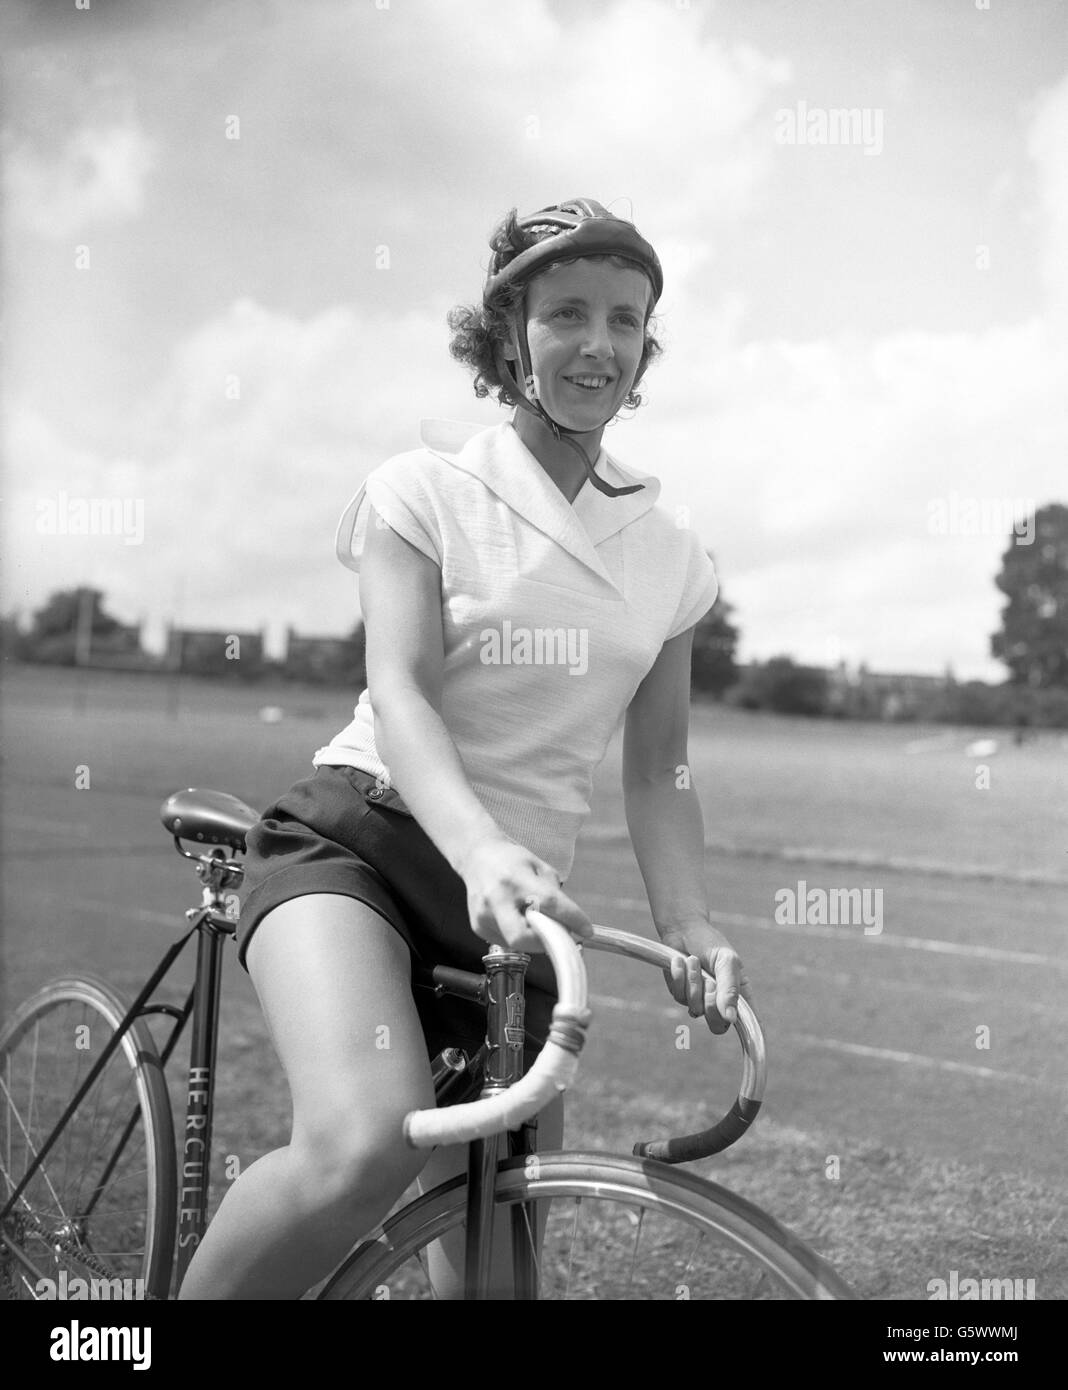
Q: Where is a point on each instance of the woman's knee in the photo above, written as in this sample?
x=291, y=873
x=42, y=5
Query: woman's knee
x=342, y=1172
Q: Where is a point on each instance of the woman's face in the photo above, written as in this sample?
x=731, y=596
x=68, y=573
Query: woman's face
x=586, y=331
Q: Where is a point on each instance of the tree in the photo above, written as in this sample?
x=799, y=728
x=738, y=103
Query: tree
x=54, y=629
x=13, y=641
x=783, y=686
x=60, y=614
x=1033, y=641
x=715, y=640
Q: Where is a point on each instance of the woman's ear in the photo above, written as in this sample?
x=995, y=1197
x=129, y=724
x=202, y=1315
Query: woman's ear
x=509, y=347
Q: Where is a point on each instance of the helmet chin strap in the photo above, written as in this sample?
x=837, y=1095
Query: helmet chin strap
x=528, y=399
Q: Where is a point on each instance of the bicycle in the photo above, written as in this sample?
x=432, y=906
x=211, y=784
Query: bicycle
x=90, y=1166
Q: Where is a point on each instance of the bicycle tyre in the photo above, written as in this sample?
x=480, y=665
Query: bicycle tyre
x=104, y=1202
x=735, y=1227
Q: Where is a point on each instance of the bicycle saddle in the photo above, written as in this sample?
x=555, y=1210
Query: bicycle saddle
x=213, y=818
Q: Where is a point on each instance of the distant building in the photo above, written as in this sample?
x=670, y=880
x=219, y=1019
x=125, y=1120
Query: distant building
x=119, y=650
x=861, y=693
x=207, y=653
x=116, y=649
x=324, y=660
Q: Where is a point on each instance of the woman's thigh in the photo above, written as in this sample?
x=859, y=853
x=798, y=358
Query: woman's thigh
x=333, y=977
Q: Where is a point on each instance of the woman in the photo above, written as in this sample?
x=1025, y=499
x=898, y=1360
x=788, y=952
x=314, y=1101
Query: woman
x=521, y=593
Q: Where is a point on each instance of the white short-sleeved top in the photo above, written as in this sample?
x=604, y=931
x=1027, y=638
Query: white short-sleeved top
x=552, y=614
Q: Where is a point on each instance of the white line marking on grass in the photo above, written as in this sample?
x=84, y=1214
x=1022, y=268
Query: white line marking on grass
x=959, y=996
x=61, y=827
x=614, y=835
x=881, y=1054
x=76, y=902
x=908, y=943
x=886, y=1054
x=634, y=1006
x=928, y=745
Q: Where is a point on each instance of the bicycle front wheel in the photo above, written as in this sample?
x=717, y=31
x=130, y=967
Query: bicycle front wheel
x=616, y=1228
x=97, y=1218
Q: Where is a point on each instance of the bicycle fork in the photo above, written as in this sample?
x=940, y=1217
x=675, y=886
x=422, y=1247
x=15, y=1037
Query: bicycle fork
x=505, y=1036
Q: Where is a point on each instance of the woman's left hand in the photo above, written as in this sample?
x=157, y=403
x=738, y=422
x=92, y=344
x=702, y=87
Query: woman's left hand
x=707, y=948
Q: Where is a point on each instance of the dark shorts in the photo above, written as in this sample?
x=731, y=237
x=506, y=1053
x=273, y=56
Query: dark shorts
x=339, y=832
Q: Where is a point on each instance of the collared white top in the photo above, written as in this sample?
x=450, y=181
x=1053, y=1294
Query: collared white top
x=552, y=614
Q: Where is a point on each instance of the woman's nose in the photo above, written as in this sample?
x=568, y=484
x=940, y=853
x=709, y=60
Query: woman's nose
x=598, y=339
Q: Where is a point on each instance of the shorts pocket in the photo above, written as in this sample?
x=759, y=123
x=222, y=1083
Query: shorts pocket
x=374, y=793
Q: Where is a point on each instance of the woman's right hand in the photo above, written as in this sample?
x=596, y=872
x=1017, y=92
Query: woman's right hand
x=500, y=877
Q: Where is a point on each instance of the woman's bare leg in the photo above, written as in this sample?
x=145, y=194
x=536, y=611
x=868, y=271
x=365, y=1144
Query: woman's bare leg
x=333, y=978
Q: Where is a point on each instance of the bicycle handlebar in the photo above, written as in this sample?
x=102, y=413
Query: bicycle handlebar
x=689, y=1147
x=556, y=1065
x=553, y=1070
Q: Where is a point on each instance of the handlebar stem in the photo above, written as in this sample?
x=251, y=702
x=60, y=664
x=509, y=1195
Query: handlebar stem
x=505, y=1013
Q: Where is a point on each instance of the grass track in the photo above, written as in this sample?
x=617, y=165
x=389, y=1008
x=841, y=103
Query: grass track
x=942, y=1167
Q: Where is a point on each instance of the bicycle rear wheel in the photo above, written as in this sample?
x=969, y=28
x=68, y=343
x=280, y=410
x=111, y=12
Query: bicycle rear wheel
x=617, y=1228
x=102, y=1205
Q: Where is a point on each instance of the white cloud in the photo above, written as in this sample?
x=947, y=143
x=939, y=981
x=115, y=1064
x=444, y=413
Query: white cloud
x=811, y=468
x=1047, y=145
x=808, y=466
x=98, y=177
x=638, y=104
x=241, y=495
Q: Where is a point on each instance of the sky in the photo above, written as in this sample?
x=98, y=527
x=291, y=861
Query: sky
x=232, y=232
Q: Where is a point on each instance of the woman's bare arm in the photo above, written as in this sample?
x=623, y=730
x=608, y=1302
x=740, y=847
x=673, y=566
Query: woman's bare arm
x=667, y=830
x=400, y=594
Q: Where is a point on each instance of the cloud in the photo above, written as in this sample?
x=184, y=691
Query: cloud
x=1047, y=141
x=811, y=470
x=808, y=464
x=811, y=467
x=638, y=104
x=243, y=457
x=99, y=176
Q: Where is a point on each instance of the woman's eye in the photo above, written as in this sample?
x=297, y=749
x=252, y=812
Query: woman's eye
x=565, y=311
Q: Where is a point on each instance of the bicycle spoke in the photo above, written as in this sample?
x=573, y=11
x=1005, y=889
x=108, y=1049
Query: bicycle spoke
x=31, y=1154
x=424, y=1260
x=33, y=1083
x=571, y=1252
x=116, y=1147
x=693, y=1255
x=630, y=1233
x=7, y=1091
x=69, y=1143
x=534, y=1243
x=89, y=1210
x=91, y=1146
x=634, y=1255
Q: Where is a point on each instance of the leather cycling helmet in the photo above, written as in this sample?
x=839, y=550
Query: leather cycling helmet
x=580, y=227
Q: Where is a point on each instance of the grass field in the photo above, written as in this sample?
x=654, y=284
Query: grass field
x=926, y=1059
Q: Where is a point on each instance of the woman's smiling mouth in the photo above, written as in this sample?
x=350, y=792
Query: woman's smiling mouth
x=588, y=382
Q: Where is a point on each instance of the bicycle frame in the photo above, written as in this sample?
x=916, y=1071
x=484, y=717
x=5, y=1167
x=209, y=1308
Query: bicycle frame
x=212, y=925
x=505, y=1036
x=501, y=990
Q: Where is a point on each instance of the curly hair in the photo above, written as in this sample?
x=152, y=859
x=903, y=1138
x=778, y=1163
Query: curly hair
x=479, y=330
